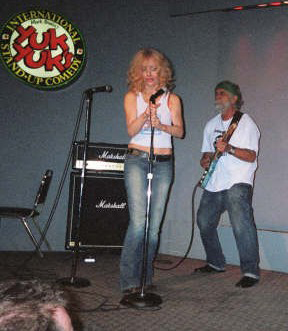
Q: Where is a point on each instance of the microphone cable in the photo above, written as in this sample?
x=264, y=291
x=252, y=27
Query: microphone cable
x=192, y=233
x=65, y=171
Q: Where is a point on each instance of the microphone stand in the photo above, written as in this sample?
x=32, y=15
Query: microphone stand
x=143, y=299
x=73, y=280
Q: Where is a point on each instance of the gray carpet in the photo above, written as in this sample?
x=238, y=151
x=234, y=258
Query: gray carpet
x=190, y=301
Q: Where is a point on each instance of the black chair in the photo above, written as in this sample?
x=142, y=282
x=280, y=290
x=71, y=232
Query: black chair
x=27, y=214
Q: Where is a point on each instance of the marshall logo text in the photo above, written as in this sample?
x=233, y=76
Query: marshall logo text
x=103, y=204
x=110, y=156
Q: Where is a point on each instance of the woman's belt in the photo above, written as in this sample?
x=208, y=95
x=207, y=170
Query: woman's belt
x=156, y=157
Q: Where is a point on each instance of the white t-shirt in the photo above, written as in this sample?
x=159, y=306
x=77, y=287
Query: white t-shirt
x=229, y=169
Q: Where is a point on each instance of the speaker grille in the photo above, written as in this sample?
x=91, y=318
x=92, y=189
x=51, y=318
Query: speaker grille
x=105, y=215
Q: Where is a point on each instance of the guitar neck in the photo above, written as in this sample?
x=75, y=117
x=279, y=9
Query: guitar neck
x=216, y=155
x=226, y=136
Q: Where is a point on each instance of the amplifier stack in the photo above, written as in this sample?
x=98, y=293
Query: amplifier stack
x=104, y=209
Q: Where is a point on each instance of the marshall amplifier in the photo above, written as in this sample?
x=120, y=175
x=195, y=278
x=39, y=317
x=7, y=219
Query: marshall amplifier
x=105, y=213
x=101, y=157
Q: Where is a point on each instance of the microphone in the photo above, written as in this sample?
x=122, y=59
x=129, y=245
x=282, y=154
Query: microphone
x=104, y=88
x=156, y=95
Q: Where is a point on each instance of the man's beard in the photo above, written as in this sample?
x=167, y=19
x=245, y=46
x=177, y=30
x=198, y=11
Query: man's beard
x=220, y=108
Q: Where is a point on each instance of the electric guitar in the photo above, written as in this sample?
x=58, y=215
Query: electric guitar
x=216, y=156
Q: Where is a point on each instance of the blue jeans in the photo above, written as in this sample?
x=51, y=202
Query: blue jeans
x=238, y=203
x=136, y=169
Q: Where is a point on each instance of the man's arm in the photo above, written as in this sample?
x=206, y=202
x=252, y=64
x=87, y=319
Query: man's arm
x=243, y=154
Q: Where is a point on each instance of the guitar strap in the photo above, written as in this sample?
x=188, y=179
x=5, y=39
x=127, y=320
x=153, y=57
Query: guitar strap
x=236, y=118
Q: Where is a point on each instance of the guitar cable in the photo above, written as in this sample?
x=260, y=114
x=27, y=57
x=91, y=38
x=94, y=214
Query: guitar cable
x=192, y=233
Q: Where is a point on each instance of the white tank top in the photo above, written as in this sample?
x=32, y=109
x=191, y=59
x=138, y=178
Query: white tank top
x=161, y=139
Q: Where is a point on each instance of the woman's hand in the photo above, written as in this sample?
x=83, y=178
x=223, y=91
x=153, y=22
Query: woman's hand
x=155, y=121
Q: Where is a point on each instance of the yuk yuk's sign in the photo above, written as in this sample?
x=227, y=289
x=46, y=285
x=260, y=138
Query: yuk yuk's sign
x=43, y=49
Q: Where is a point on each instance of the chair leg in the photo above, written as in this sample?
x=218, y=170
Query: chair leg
x=23, y=220
x=37, y=226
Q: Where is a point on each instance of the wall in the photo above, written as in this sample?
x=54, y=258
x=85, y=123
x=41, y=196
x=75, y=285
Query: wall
x=252, y=51
x=36, y=127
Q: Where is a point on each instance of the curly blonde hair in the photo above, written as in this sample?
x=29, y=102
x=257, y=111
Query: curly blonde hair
x=135, y=77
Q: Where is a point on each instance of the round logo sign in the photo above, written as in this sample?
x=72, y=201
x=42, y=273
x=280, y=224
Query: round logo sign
x=43, y=49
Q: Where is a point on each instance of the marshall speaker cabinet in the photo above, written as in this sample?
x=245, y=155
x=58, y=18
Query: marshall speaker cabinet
x=104, y=211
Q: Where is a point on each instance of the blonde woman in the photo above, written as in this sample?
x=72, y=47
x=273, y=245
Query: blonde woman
x=149, y=72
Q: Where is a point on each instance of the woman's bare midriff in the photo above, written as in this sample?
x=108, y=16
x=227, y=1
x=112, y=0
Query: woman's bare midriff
x=160, y=151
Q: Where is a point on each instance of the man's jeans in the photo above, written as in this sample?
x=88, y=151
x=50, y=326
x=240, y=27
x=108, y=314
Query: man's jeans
x=136, y=169
x=238, y=203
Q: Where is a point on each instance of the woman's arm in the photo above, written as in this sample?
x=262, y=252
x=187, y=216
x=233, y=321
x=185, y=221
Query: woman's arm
x=134, y=123
x=177, y=128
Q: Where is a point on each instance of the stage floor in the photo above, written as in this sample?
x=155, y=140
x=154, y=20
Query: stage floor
x=190, y=301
